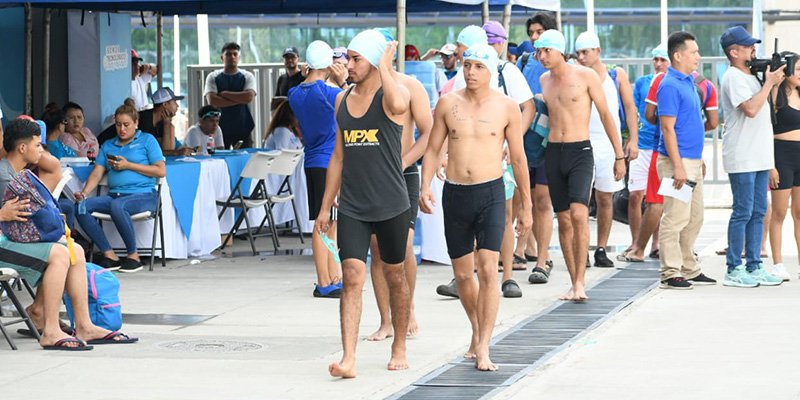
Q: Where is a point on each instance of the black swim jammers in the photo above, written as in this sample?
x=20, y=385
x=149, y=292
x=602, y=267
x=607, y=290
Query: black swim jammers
x=411, y=176
x=474, y=214
x=570, y=171
x=391, y=234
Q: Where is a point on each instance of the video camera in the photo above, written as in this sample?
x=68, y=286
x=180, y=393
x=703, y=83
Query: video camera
x=759, y=66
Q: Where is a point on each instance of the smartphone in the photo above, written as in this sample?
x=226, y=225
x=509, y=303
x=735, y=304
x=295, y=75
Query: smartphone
x=238, y=145
x=112, y=157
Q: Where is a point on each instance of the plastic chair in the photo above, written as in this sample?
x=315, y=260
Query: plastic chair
x=156, y=216
x=6, y=276
x=66, y=176
x=284, y=165
x=257, y=168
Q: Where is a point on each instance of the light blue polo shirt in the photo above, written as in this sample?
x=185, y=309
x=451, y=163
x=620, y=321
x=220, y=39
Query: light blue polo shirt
x=677, y=97
x=143, y=149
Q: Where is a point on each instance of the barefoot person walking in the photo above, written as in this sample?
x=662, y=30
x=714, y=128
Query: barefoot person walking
x=366, y=171
x=476, y=121
x=569, y=91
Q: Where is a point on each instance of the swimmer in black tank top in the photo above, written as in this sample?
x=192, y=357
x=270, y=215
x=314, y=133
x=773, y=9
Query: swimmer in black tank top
x=366, y=171
x=477, y=121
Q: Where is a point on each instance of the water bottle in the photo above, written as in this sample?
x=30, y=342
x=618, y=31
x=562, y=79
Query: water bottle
x=210, y=145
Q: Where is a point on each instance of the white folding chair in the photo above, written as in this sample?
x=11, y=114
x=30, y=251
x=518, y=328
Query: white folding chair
x=284, y=166
x=66, y=176
x=156, y=216
x=257, y=168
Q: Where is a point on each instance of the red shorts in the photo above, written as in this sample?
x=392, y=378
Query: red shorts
x=653, y=183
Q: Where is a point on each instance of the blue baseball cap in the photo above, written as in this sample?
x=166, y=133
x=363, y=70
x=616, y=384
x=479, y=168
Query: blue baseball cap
x=737, y=35
x=525, y=47
x=552, y=39
x=472, y=35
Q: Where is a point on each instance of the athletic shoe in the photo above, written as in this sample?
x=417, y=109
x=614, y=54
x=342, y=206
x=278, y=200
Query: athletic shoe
x=331, y=291
x=601, y=260
x=511, y=289
x=129, y=265
x=702, y=280
x=541, y=274
x=739, y=278
x=764, y=278
x=449, y=290
x=677, y=283
x=778, y=270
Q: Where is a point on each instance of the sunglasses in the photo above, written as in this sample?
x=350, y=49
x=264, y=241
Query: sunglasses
x=211, y=114
x=339, y=54
x=446, y=56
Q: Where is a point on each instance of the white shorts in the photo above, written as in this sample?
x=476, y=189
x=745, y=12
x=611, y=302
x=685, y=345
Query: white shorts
x=604, y=156
x=638, y=170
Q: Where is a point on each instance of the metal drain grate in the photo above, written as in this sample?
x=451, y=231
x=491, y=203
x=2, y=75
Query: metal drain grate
x=210, y=346
x=534, y=340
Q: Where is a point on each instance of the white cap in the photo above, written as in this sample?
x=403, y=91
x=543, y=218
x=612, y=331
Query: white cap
x=587, y=40
x=319, y=55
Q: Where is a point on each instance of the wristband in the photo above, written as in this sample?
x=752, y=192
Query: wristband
x=619, y=158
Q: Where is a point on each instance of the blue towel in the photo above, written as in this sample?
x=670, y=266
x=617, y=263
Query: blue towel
x=183, y=178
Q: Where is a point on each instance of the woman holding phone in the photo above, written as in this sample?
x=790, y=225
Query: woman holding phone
x=134, y=162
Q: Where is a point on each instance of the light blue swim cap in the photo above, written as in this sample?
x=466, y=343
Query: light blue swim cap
x=587, y=40
x=472, y=35
x=485, y=54
x=370, y=44
x=387, y=34
x=552, y=39
x=660, y=51
x=319, y=55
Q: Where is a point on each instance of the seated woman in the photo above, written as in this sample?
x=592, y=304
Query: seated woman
x=77, y=136
x=281, y=131
x=56, y=124
x=208, y=126
x=134, y=161
x=48, y=263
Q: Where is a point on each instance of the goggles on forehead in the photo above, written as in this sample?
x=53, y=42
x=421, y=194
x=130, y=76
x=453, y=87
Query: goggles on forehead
x=339, y=54
x=494, y=35
x=477, y=54
x=211, y=114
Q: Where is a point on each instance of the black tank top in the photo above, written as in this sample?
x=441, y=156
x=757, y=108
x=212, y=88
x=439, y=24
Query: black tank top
x=788, y=119
x=372, y=188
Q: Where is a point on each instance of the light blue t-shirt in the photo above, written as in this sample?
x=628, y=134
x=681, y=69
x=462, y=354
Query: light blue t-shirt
x=313, y=105
x=647, y=131
x=677, y=97
x=143, y=149
x=60, y=150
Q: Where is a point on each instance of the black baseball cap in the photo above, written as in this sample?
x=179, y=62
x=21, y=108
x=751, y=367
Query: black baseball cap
x=291, y=51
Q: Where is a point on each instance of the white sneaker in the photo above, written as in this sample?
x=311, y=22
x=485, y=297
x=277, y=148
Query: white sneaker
x=779, y=271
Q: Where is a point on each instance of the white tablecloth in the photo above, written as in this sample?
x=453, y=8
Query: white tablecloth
x=213, y=184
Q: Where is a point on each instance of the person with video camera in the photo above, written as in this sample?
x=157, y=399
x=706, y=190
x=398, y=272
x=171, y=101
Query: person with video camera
x=747, y=156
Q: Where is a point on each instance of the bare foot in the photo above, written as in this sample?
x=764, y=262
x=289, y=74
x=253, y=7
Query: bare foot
x=413, y=327
x=397, y=363
x=483, y=363
x=48, y=340
x=570, y=295
x=382, y=333
x=341, y=370
x=472, y=352
x=91, y=333
x=580, y=294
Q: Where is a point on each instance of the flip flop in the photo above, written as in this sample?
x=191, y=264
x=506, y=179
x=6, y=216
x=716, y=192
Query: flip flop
x=62, y=345
x=655, y=254
x=115, y=337
x=532, y=258
x=626, y=258
x=722, y=252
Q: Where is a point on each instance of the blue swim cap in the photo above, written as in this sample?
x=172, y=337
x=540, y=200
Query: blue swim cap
x=471, y=35
x=319, y=55
x=370, y=44
x=660, y=51
x=552, y=39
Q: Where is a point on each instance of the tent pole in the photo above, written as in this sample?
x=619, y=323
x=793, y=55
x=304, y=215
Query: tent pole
x=507, y=25
x=664, y=22
x=590, y=15
x=203, y=52
x=558, y=20
x=401, y=36
x=46, y=57
x=28, y=58
x=176, y=54
x=485, y=12
x=160, y=48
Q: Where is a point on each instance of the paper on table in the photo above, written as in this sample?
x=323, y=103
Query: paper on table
x=188, y=159
x=683, y=194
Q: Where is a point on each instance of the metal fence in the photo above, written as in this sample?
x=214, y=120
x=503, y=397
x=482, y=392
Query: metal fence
x=266, y=76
